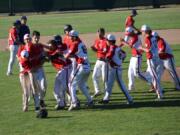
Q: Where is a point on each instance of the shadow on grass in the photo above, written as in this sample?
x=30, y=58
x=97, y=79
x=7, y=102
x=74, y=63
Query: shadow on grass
x=174, y=103
x=58, y=117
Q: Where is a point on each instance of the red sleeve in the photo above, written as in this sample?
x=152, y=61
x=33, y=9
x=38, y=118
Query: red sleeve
x=133, y=41
x=148, y=43
x=72, y=49
x=161, y=45
x=129, y=21
x=110, y=52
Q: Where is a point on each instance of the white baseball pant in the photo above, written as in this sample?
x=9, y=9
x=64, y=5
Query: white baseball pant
x=169, y=64
x=79, y=78
x=39, y=85
x=13, y=51
x=26, y=89
x=60, y=86
x=116, y=73
x=100, y=70
x=151, y=69
x=135, y=71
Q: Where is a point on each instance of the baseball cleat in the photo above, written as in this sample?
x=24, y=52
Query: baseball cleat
x=58, y=107
x=96, y=94
x=25, y=109
x=37, y=109
x=42, y=103
x=104, y=101
x=90, y=104
x=130, y=102
x=73, y=107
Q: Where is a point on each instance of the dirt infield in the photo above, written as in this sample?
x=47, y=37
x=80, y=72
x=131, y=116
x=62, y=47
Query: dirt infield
x=171, y=35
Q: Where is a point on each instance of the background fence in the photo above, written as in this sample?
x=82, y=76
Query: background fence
x=62, y=5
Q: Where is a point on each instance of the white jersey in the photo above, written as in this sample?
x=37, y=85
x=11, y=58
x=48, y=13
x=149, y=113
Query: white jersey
x=115, y=55
x=82, y=52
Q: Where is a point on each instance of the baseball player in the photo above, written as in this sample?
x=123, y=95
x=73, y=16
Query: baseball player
x=63, y=66
x=100, y=69
x=25, y=67
x=81, y=74
x=67, y=37
x=24, y=29
x=151, y=59
x=130, y=23
x=67, y=40
x=13, y=42
x=134, y=70
x=167, y=59
x=114, y=57
x=37, y=76
x=63, y=49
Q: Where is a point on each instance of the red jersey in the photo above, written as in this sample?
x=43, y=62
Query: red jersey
x=13, y=36
x=101, y=48
x=79, y=51
x=164, y=49
x=148, y=45
x=23, y=61
x=67, y=40
x=135, y=43
x=36, y=53
x=129, y=21
x=57, y=61
x=63, y=48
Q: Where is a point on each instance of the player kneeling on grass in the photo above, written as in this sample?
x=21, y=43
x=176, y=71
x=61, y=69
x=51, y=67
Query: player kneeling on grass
x=114, y=58
x=63, y=66
x=25, y=67
x=167, y=59
x=81, y=74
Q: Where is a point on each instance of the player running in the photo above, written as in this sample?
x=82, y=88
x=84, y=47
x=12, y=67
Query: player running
x=130, y=23
x=100, y=69
x=81, y=74
x=114, y=57
x=167, y=59
x=134, y=70
x=151, y=59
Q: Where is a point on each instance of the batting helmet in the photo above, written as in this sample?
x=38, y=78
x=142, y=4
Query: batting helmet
x=43, y=113
x=67, y=27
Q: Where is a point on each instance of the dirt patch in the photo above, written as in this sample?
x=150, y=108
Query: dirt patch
x=171, y=36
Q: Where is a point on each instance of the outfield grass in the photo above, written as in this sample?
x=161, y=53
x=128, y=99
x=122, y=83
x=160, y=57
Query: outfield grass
x=51, y=24
x=145, y=117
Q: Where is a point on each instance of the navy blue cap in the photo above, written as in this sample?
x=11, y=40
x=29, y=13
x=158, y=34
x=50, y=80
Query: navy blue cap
x=57, y=38
x=23, y=18
x=134, y=12
x=17, y=22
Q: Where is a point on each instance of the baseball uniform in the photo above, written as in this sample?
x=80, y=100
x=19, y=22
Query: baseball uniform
x=100, y=69
x=114, y=57
x=81, y=74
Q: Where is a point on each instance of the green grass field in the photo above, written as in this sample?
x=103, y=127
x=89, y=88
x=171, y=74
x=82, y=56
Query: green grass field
x=145, y=117
x=52, y=24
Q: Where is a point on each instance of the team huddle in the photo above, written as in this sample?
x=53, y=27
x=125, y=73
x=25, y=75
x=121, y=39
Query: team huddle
x=69, y=56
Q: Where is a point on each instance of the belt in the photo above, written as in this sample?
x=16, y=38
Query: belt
x=102, y=59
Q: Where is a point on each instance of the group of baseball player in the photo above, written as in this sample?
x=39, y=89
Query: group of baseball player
x=69, y=56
